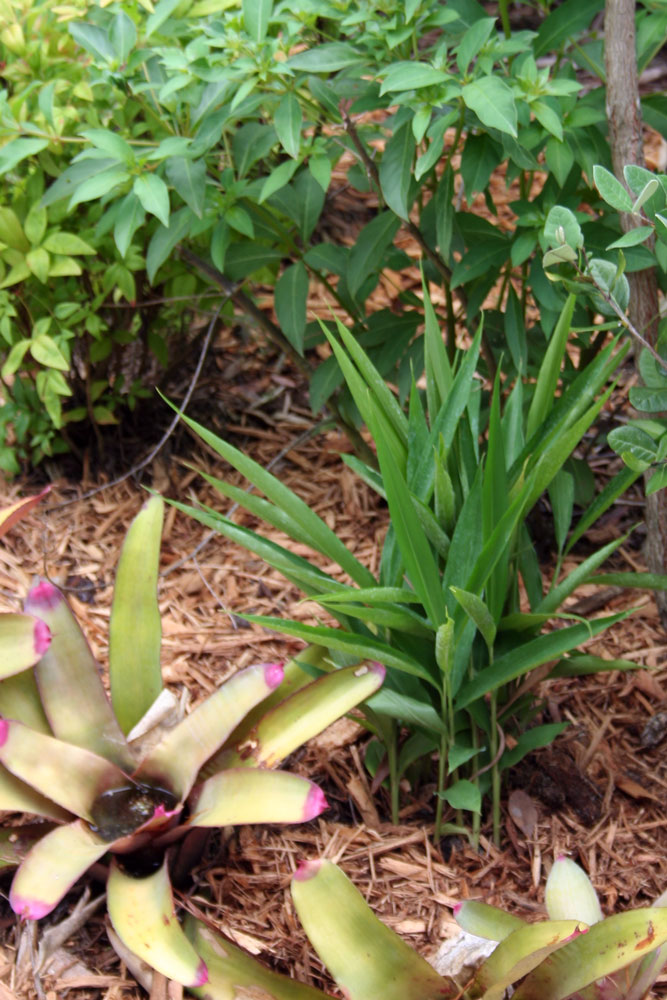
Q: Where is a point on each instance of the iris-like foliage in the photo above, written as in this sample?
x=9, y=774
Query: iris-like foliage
x=67, y=755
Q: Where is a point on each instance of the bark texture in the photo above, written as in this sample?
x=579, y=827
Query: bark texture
x=625, y=137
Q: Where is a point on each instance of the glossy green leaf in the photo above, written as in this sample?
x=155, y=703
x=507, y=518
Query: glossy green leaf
x=188, y=177
x=530, y=655
x=143, y=916
x=135, y=629
x=463, y=794
x=51, y=868
x=291, y=295
x=180, y=754
x=403, y=76
x=99, y=184
x=256, y=16
x=550, y=368
x=611, y=189
x=231, y=969
x=635, y=446
x=71, y=690
x=69, y=775
x=368, y=251
x=367, y=959
x=326, y=58
x=131, y=216
x=321, y=537
x=477, y=611
x=492, y=100
x=67, y=243
x=153, y=194
x=250, y=795
x=396, y=170
x=301, y=716
x=287, y=123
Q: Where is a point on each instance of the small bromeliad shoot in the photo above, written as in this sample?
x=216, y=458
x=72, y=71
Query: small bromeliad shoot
x=130, y=801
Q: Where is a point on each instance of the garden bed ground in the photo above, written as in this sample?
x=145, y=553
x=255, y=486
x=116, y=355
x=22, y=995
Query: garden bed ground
x=603, y=798
x=611, y=818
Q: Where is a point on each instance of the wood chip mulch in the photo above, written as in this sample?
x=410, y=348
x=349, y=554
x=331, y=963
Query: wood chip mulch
x=608, y=792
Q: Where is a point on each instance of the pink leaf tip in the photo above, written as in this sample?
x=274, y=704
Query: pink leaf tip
x=44, y=595
x=201, y=977
x=4, y=731
x=316, y=803
x=273, y=674
x=29, y=909
x=457, y=909
x=306, y=870
x=41, y=637
x=561, y=857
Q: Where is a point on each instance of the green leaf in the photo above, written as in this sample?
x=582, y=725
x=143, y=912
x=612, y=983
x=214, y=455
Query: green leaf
x=287, y=122
x=232, y=970
x=188, y=177
x=70, y=687
x=256, y=16
x=632, y=238
x=548, y=118
x=143, y=915
x=16, y=150
x=569, y=894
x=39, y=262
x=411, y=76
x=608, y=946
x=98, y=185
x=164, y=240
x=561, y=226
x=521, y=951
x=45, y=350
x=321, y=537
x=564, y=22
x=486, y=921
x=153, y=194
x=249, y=795
x=477, y=611
x=67, y=244
x=444, y=213
x=278, y=178
x=560, y=159
x=185, y=748
x=306, y=713
x=23, y=641
x=549, y=373
x=367, y=959
x=34, y=226
x=111, y=143
x=135, y=628
x=635, y=446
x=327, y=58
x=561, y=495
x=463, y=795
x=367, y=254
x=130, y=217
x=611, y=189
x=123, y=35
x=534, y=653
x=52, y=867
x=93, y=39
x=291, y=294
x=11, y=230
x=396, y=170
x=492, y=100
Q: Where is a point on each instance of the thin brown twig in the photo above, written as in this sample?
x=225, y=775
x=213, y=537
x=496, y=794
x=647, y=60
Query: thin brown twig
x=167, y=434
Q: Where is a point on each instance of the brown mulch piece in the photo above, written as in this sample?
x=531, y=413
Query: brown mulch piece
x=607, y=810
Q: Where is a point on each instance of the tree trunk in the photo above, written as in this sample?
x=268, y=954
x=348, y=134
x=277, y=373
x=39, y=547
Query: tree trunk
x=625, y=138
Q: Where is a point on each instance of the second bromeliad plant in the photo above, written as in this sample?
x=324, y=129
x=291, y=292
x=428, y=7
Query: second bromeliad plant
x=460, y=474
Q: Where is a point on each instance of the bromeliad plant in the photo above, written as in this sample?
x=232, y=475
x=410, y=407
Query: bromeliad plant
x=460, y=473
x=67, y=755
x=574, y=955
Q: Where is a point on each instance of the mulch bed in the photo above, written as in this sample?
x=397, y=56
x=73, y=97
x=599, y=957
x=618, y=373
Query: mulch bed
x=599, y=795
x=607, y=810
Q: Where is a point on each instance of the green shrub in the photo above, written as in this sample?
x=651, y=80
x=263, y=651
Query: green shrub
x=214, y=126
